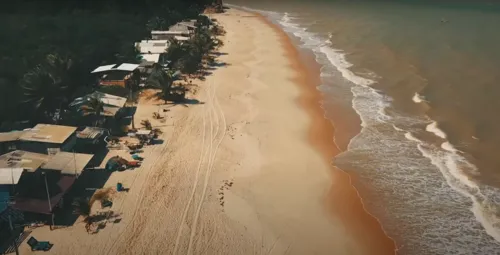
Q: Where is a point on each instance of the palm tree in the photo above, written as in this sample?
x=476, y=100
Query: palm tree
x=160, y=79
x=92, y=106
x=45, y=86
x=82, y=207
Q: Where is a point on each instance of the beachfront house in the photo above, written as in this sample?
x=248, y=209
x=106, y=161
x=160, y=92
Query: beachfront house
x=111, y=104
x=9, y=141
x=12, y=167
x=14, y=164
x=187, y=27
x=181, y=29
x=47, y=139
x=149, y=59
x=90, y=139
x=39, y=181
x=168, y=35
x=152, y=47
x=117, y=75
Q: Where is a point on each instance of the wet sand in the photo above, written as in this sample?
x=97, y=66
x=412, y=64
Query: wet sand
x=343, y=200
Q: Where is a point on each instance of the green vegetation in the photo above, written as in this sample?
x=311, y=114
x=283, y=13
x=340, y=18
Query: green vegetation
x=49, y=47
x=188, y=57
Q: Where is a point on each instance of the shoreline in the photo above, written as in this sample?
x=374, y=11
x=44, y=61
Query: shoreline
x=244, y=170
x=321, y=135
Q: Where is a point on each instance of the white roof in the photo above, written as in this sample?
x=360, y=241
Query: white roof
x=179, y=27
x=152, y=41
x=153, y=46
x=181, y=38
x=151, y=57
x=10, y=175
x=143, y=132
x=112, y=100
x=103, y=68
x=127, y=67
x=167, y=32
x=188, y=23
x=152, y=49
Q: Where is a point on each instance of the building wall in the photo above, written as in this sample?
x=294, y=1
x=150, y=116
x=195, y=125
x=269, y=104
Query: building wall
x=6, y=147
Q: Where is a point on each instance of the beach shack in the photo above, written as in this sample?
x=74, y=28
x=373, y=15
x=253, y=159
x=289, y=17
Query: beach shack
x=15, y=163
x=111, y=104
x=40, y=192
x=152, y=47
x=47, y=139
x=13, y=166
x=168, y=35
x=9, y=141
x=186, y=27
x=11, y=169
x=181, y=39
x=113, y=75
x=90, y=139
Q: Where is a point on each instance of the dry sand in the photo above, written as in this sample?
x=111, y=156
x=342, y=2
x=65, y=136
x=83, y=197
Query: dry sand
x=237, y=172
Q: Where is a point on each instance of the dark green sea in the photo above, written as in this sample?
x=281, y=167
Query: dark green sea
x=422, y=81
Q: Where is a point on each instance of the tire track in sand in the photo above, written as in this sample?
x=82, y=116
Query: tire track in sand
x=141, y=193
x=193, y=190
x=214, y=101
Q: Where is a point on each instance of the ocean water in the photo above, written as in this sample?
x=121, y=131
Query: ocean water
x=423, y=78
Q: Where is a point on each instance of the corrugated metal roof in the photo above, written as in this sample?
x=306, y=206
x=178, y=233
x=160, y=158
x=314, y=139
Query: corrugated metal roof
x=151, y=57
x=90, y=133
x=106, y=99
x=190, y=24
x=68, y=163
x=47, y=133
x=127, y=67
x=10, y=176
x=167, y=32
x=109, y=99
x=110, y=111
x=179, y=27
x=23, y=159
x=10, y=136
x=103, y=68
x=153, y=41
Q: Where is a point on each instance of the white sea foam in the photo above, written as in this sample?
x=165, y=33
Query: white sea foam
x=453, y=167
x=417, y=98
x=370, y=105
x=396, y=128
x=447, y=146
x=410, y=137
x=433, y=128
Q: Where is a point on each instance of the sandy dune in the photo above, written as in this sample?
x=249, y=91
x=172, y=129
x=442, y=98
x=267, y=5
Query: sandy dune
x=235, y=174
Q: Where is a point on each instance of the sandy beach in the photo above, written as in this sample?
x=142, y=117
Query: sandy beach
x=243, y=169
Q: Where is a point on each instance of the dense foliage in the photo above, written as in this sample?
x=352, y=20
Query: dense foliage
x=189, y=56
x=49, y=47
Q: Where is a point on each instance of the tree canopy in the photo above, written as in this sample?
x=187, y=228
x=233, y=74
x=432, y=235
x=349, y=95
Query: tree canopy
x=49, y=47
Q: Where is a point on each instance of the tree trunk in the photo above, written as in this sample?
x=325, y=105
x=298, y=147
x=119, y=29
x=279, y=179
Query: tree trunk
x=133, y=120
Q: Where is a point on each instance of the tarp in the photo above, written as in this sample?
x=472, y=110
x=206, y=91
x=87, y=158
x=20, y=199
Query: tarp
x=10, y=176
